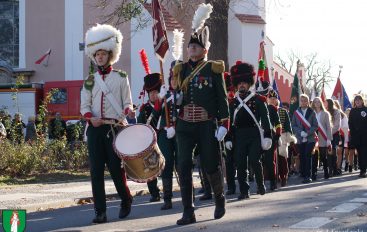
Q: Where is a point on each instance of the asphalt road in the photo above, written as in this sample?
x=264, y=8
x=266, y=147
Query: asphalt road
x=337, y=204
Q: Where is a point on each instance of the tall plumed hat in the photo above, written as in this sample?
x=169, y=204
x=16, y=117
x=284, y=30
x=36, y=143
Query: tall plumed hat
x=103, y=37
x=242, y=72
x=152, y=81
x=200, y=32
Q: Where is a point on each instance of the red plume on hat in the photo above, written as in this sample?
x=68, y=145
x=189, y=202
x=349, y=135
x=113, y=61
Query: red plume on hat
x=144, y=61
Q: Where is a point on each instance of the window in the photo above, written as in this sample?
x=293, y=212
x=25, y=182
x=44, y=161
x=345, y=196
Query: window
x=59, y=97
x=9, y=28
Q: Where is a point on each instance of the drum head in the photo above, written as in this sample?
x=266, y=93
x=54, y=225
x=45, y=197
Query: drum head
x=134, y=139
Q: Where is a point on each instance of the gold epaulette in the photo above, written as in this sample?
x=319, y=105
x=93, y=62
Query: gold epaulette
x=218, y=66
x=89, y=83
x=176, y=76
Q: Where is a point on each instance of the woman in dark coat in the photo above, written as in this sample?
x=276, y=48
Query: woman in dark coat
x=358, y=132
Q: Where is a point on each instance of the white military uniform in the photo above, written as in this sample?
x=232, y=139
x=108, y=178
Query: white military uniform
x=96, y=102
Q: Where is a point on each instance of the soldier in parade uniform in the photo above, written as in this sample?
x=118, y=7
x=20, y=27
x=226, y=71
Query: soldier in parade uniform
x=103, y=47
x=166, y=137
x=270, y=157
x=230, y=159
x=247, y=143
x=149, y=116
x=203, y=118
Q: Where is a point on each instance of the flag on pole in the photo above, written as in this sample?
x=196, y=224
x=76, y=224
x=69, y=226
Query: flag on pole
x=341, y=95
x=263, y=71
x=43, y=57
x=323, y=95
x=160, y=40
x=275, y=88
x=294, y=101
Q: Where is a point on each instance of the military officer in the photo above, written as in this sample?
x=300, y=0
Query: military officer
x=149, y=116
x=203, y=117
x=103, y=47
x=246, y=106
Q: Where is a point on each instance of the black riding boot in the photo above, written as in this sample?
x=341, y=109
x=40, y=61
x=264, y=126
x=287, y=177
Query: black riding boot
x=188, y=216
x=167, y=193
x=216, y=181
x=207, y=189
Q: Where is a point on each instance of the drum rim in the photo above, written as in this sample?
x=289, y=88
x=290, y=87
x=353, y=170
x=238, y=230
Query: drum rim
x=140, y=154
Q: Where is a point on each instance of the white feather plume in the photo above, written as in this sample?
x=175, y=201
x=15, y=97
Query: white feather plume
x=201, y=15
x=178, y=41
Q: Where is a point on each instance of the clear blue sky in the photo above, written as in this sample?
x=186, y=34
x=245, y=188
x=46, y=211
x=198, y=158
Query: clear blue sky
x=335, y=29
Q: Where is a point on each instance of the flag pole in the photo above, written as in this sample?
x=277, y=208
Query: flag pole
x=168, y=124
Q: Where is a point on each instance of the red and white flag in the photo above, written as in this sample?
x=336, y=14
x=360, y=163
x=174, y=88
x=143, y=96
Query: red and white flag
x=160, y=40
x=43, y=57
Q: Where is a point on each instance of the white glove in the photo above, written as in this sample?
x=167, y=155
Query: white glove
x=170, y=132
x=162, y=92
x=328, y=143
x=303, y=134
x=266, y=144
x=229, y=145
x=221, y=133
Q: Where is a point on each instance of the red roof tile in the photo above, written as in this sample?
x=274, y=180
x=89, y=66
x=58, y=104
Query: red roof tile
x=171, y=22
x=246, y=18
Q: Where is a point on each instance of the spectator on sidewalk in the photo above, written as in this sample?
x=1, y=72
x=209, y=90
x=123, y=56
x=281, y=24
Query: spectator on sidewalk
x=57, y=127
x=30, y=132
x=17, y=126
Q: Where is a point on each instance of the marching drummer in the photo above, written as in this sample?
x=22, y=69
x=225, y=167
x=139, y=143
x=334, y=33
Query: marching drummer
x=105, y=94
x=149, y=116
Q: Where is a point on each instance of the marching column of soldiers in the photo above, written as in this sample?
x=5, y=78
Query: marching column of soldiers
x=202, y=110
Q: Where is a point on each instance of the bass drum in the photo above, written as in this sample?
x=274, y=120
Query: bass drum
x=136, y=145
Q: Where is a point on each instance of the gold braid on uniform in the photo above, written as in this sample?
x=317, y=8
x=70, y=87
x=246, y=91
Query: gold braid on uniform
x=218, y=66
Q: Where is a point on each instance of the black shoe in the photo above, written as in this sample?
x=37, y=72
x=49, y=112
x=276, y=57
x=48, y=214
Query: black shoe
x=206, y=196
x=307, y=180
x=186, y=219
x=230, y=192
x=346, y=167
x=314, y=177
x=100, y=218
x=125, y=208
x=155, y=198
x=273, y=185
x=326, y=175
x=261, y=190
x=220, y=209
x=362, y=175
x=167, y=204
x=243, y=196
x=350, y=168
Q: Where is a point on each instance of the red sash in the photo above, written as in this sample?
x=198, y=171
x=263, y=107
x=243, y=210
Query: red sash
x=303, y=120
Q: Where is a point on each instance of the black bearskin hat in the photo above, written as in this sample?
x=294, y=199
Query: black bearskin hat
x=242, y=72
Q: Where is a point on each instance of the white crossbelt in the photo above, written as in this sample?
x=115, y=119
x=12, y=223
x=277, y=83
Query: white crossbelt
x=242, y=104
x=110, y=97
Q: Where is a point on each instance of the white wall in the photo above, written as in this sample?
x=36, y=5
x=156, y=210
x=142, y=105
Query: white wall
x=251, y=7
x=235, y=39
x=73, y=36
x=140, y=40
x=252, y=38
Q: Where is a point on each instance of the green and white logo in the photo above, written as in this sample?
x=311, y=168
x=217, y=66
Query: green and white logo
x=14, y=220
